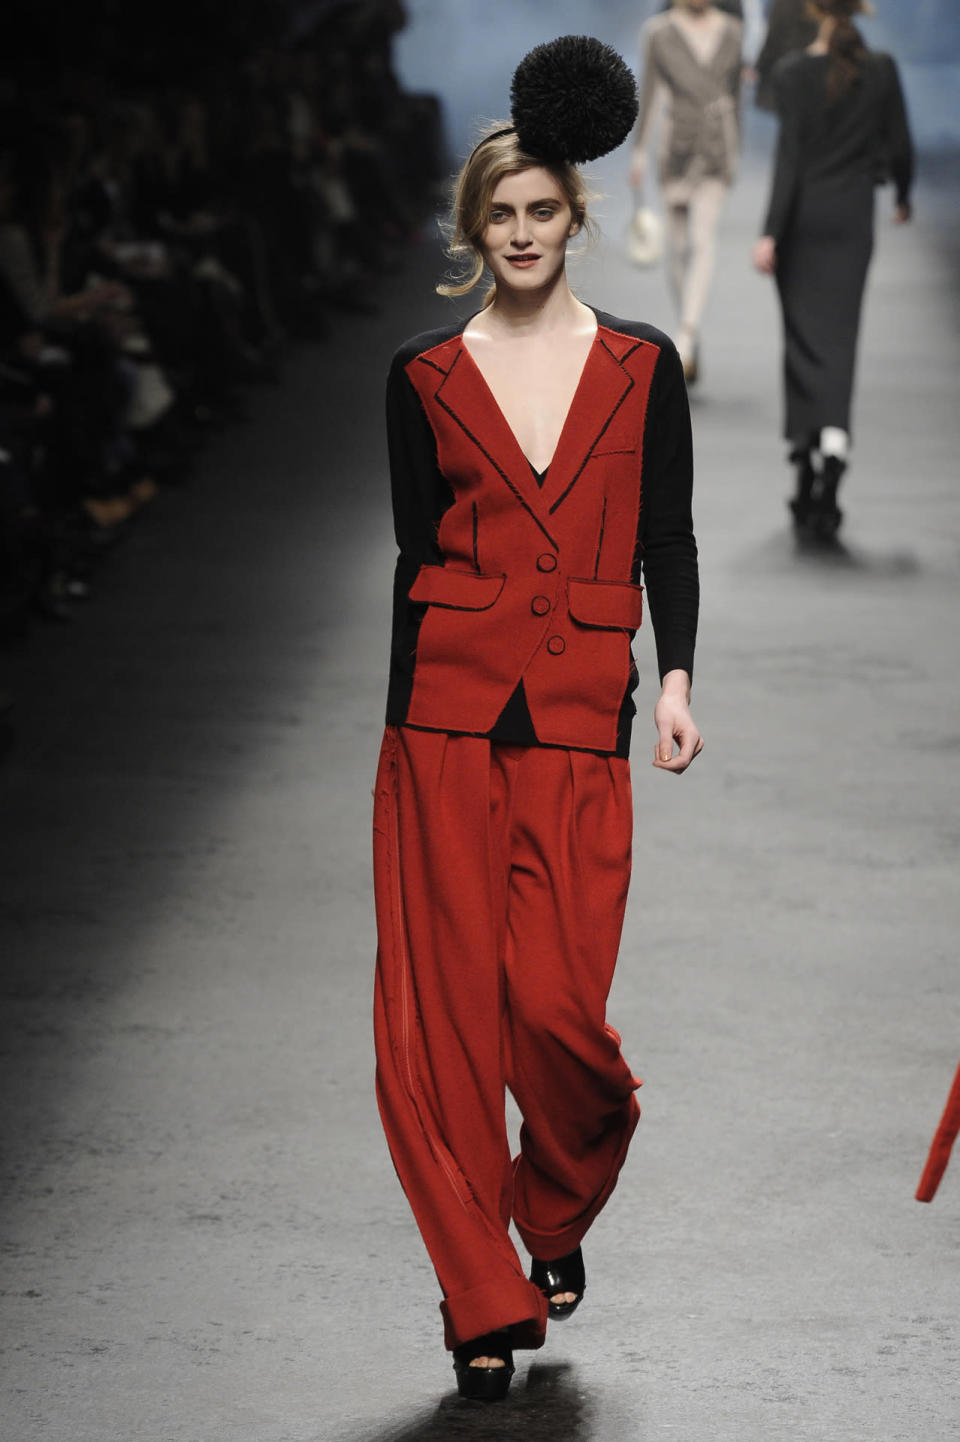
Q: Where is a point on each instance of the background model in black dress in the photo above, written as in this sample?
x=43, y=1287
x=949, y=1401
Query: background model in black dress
x=837, y=142
x=829, y=158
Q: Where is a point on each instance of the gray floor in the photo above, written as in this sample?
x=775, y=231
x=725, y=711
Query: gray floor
x=203, y=1237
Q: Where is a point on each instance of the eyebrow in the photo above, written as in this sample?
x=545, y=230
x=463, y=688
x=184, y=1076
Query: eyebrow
x=532, y=205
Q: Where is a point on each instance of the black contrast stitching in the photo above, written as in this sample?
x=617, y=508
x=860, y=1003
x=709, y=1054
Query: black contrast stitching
x=603, y=522
x=636, y=346
x=573, y=482
x=431, y=363
x=483, y=451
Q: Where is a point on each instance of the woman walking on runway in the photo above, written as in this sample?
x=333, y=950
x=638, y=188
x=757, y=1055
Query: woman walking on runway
x=843, y=130
x=692, y=54
x=540, y=461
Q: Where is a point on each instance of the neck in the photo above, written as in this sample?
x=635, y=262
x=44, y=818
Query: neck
x=553, y=308
x=827, y=26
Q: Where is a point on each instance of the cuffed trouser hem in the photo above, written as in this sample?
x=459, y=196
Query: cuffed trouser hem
x=547, y=1246
x=516, y=1304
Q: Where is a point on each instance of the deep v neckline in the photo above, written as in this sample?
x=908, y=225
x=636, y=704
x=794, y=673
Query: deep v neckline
x=558, y=444
x=690, y=46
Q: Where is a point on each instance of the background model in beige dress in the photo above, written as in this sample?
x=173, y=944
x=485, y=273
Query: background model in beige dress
x=691, y=57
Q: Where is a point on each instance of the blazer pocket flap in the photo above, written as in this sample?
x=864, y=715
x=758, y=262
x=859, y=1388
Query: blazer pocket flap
x=460, y=590
x=619, y=441
x=606, y=603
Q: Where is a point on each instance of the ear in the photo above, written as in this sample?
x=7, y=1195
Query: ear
x=574, y=229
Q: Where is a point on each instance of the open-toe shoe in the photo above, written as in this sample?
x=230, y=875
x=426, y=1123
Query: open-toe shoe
x=566, y=1274
x=484, y=1384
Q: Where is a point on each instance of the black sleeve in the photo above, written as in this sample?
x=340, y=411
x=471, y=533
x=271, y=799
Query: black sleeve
x=667, y=548
x=786, y=166
x=419, y=491
x=420, y=495
x=897, y=144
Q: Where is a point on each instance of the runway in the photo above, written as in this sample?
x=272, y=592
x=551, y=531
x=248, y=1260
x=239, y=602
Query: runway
x=204, y=1240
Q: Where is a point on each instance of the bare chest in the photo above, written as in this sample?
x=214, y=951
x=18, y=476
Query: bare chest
x=702, y=36
x=533, y=384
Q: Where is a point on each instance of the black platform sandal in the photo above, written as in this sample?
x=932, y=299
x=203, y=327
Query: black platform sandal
x=564, y=1275
x=484, y=1384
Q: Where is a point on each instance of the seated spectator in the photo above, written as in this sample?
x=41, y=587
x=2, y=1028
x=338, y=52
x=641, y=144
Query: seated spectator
x=159, y=244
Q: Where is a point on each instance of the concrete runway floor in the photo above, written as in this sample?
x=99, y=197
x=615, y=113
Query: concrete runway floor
x=203, y=1238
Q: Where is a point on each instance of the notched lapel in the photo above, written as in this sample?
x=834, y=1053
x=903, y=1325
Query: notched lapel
x=462, y=392
x=465, y=395
x=603, y=388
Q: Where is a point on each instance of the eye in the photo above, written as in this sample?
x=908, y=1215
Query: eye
x=545, y=212
x=497, y=217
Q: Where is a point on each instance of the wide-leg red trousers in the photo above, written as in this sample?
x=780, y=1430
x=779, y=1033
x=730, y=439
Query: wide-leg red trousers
x=501, y=876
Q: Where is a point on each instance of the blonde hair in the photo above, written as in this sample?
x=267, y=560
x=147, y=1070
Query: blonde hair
x=497, y=155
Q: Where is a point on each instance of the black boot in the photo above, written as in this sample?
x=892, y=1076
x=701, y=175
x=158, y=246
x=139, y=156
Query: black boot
x=828, y=514
x=804, y=503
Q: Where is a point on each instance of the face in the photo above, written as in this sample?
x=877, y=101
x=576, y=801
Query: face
x=528, y=226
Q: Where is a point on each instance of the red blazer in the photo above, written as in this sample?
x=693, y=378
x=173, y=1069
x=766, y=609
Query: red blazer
x=504, y=585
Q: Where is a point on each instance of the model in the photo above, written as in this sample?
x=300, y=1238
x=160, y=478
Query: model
x=540, y=460
x=843, y=129
x=692, y=57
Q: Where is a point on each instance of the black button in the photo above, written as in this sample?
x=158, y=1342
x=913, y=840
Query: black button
x=556, y=645
x=540, y=605
x=547, y=562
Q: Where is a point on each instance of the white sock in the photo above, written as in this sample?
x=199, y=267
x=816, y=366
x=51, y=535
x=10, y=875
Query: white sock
x=834, y=442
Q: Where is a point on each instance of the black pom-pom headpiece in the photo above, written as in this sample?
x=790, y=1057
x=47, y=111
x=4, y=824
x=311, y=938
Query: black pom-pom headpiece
x=572, y=99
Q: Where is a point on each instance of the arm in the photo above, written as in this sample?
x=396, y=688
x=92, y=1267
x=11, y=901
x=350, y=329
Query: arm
x=420, y=495
x=667, y=550
x=649, y=88
x=416, y=483
x=786, y=171
x=898, y=146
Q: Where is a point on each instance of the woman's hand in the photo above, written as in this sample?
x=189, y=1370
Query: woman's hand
x=675, y=724
x=765, y=255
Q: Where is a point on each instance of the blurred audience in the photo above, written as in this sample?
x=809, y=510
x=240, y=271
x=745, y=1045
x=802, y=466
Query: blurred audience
x=176, y=208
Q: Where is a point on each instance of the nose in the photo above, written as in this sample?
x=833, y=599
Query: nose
x=521, y=237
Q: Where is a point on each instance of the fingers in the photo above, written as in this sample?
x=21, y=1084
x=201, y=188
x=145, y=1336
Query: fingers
x=663, y=751
x=691, y=744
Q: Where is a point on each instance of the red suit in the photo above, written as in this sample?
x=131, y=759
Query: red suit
x=503, y=815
